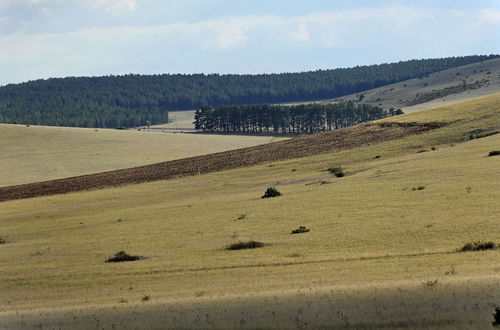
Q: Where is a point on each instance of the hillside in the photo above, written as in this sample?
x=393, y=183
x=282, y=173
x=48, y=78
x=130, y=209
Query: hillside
x=452, y=85
x=139, y=100
x=294, y=148
x=37, y=153
x=382, y=251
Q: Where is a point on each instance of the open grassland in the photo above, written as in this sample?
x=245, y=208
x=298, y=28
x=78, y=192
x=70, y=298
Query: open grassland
x=379, y=254
x=32, y=154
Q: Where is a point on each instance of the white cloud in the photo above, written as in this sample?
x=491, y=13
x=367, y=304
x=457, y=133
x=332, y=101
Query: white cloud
x=115, y=7
x=46, y=11
x=489, y=15
x=174, y=47
x=302, y=33
x=5, y=19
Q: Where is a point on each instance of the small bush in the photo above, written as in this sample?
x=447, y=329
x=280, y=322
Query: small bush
x=494, y=153
x=431, y=284
x=123, y=256
x=496, y=316
x=418, y=188
x=337, y=171
x=478, y=246
x=271, y=192
x=146, y=297
x=2, y=240
x=300, y=230
x=244, y=245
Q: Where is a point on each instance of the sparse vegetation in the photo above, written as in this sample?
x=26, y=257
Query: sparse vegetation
x=364, y=231
x=479, y=246
x=418, y=188
x=300, y=230
x=494, y=153
x=244, y=245
x=2, y=240
x=271, y=191
x=146, y=297
x=337, y=171
x=123, y=256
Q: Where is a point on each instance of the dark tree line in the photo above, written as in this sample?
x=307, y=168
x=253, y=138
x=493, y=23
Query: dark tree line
x=303, y=118
x=134, y=100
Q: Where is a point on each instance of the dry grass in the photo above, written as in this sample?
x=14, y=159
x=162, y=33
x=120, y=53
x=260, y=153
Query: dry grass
x=32, y=154
x=373, y=245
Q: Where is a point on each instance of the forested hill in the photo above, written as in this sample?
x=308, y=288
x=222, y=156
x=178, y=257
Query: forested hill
x=134, y=100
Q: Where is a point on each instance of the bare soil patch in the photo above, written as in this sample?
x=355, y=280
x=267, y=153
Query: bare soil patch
x=303, y=146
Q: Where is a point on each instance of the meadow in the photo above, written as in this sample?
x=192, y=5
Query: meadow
x=382, y=250
x=40, y=153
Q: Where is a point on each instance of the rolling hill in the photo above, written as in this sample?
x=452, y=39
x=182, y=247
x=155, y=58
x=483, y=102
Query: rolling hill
x=382, y=251
x=38, y=153
x=452, y=85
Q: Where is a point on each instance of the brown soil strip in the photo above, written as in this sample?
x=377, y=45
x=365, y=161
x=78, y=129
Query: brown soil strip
x=331, y=141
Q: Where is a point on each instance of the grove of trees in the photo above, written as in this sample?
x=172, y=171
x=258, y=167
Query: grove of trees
x=135, y=100
x=266, y=118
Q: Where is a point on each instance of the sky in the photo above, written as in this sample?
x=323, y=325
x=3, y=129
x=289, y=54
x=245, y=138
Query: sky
x=40, y=39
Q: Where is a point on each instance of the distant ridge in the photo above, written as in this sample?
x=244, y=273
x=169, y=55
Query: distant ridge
x=137, y=100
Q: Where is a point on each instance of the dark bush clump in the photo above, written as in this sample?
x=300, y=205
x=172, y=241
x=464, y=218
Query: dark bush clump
x=271, y=192
x=478, y=246
x=244, y=245
x=494, y=153
x=2, y=240
x=496, y=316
x=337, y=171
x=123, y=256
x=418, y=188
x=300, y=230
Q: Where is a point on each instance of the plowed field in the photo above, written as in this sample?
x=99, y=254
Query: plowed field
x=331, y=141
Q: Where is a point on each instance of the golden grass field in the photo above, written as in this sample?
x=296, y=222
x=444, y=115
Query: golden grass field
x=371, y=260
x=40, y=153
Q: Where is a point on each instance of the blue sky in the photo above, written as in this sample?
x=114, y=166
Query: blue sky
x=58, y=38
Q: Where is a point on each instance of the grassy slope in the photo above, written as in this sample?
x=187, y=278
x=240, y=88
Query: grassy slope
x=395, y=95
x=32, y=154
x=373, y=241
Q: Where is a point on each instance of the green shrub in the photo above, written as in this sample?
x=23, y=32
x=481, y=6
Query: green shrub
x=300, y=230
x=244, y=245
x=337, y=171
x=271, y=192
x=123, y=256
x=494, y=153
x=478, y=246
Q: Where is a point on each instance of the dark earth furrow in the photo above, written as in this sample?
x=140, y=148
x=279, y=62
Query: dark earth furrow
x=303, y=146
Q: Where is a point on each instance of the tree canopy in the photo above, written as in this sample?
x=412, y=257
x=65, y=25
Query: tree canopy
x=294, y=119
x=135, y=100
